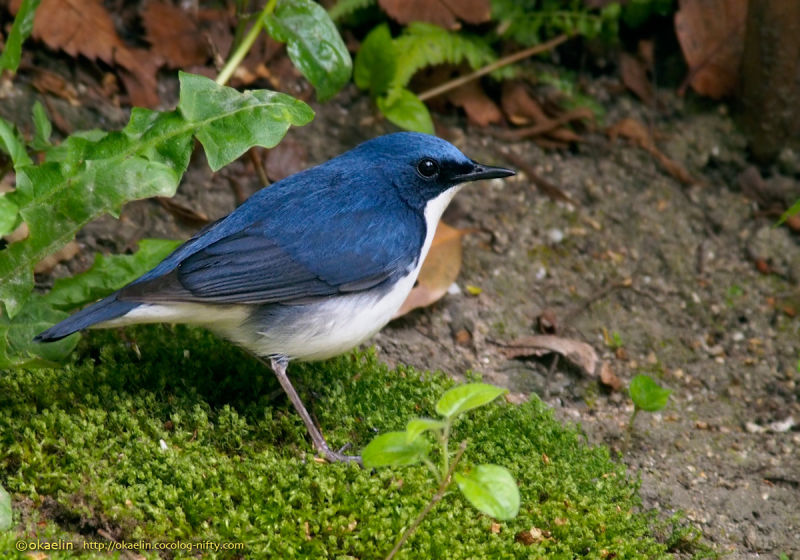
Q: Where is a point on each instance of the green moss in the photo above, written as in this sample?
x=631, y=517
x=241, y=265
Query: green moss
x=237, y=466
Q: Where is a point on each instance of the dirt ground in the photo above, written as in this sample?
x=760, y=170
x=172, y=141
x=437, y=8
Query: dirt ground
x=658, y=277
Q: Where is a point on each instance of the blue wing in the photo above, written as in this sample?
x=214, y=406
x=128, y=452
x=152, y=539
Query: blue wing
x=345, y=242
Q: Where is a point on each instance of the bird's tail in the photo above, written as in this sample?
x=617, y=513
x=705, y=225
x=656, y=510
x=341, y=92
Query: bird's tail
x=104, y=310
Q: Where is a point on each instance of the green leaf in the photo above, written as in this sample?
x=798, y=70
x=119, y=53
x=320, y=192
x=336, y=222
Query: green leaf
x=20, y=30
x=406, y=111
x=491, y=489
x=17, y=348
x=42, y=127
x=376, y=61
x=313, y=44
x=425, y=44
x=8, y=215
x=93, y=173
x=108, y=274
x=344, y=8
x=393, y=449
x=647, y=394
x=466, y=397
x=12, y=144
x=5, y=510
x=416, y=426
x=793, y=209
x=230, y=122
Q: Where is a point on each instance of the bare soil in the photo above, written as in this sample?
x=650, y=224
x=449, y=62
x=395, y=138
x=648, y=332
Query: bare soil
x=658, y=277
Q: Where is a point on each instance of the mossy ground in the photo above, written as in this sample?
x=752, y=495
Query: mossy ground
x=81, y=454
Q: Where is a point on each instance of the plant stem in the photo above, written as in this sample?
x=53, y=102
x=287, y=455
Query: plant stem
x=505, y=61
x=445, y=450
x=636, y=410
x=435, y=500
x=241, y=51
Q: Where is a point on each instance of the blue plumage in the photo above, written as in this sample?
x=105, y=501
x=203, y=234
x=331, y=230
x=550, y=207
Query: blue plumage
x=308, y=267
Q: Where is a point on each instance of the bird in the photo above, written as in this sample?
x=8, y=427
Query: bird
x=306, y=268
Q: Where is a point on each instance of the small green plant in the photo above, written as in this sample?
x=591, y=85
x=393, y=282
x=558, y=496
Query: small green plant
x=489, y=488
x=647, y=395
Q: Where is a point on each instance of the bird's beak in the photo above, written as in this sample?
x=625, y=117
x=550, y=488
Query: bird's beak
x=484, y=172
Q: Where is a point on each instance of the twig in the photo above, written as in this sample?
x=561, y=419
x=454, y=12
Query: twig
x=435, y=500
x=546, y=126
x=505, y=61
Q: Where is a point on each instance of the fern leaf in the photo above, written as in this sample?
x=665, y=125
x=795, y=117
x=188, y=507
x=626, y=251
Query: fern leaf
x=424, y=44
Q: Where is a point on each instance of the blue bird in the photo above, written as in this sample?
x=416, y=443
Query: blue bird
x=309, y=267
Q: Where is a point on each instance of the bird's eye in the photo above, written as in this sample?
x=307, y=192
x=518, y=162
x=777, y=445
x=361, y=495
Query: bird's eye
x=427, y=168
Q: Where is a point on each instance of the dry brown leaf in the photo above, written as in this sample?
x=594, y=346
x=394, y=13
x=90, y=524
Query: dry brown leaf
x=711, y=35
x=445, y=13
x=577, y=352
x=174, y=35
x=84, y=27
x=520, y=108
x=634, y=76
x=479, y=108
x=609, y=378
x=46, y=81
x=439, y=270
x=635, y=131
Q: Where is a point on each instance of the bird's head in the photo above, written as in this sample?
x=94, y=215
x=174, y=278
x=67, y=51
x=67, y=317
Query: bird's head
x=420, y=166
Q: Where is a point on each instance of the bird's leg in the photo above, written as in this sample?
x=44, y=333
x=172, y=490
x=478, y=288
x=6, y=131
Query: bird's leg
x=278, y=365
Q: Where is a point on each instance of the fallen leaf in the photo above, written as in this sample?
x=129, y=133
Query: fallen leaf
x=439, y=270
x=445, y=13
x=577, y=352
x=480, y=109
x=520, y=108
x=635, y=131
x=84, y=27
x=711, y=35
x=173, y=35
x=609, y=378
x=46, y=81
x=634, y=76
x=547, y=322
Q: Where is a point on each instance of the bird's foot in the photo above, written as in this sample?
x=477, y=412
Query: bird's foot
x=338, y=456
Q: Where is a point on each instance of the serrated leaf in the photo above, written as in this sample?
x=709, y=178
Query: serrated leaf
x=491, y=489
x=108, y=274
x=313, y=44
x=5, y=510
x=95, y=172
x=12, y=144
x=647, y=394
x=20, y=30
x=406, y=111
x=17, y=348
x=462, y=398
x=230, y=122
x=376, y=61
x=42, y=127
x=418, y=426
x=392, y=449
x=8, y=215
